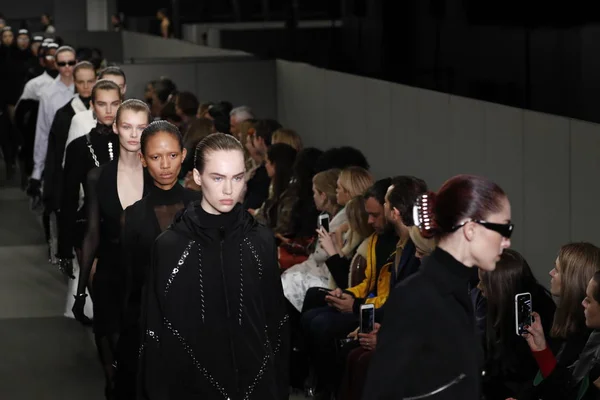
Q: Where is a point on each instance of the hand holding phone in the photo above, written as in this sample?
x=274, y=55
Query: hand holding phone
x=367, y=318
x=324, y=221
x=523, y=312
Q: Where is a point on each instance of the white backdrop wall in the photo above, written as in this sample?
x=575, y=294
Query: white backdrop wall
x=548, y=165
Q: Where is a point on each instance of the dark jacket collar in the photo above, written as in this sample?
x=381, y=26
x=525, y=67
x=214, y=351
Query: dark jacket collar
x=448, y=273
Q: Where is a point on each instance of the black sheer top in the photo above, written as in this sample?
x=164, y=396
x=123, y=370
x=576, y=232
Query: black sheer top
x=142, y=223
x=104, y=211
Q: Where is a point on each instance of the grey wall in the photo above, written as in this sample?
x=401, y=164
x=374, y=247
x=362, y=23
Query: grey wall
x=26, y=9
x=109, y=42
x=248, y=82
x=143, y=46
x=69, y=15
x=546, y=164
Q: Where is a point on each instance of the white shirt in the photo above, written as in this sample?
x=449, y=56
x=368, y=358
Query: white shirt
x=33, y=89
x=53, y=97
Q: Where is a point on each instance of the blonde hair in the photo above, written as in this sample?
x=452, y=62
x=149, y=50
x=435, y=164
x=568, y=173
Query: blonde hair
x=425, y=246
x=578, y=263
x=326, y=182
x=287, y=136
x=355, y=180
x=358, y=222
x=245, y=130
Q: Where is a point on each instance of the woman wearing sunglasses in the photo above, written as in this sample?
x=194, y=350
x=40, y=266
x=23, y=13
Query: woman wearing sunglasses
x=428, y=343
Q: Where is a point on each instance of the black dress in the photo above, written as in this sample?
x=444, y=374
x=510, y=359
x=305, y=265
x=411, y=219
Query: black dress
x=142, y=223
x=215, y=320
x=79, y=160
x=102, y=241
x=428, y=337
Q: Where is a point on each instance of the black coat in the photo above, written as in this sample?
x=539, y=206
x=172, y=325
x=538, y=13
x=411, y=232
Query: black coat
x=428, y=337
x=215, y=319
x=53, y=171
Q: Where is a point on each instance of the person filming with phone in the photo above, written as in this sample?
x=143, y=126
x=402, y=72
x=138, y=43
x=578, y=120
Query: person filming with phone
x=427, y=345
x=559, y=352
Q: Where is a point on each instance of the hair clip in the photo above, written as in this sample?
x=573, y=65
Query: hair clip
x=422, y=213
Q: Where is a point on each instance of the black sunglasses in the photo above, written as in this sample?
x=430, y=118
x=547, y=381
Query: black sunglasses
x=65, y=63
x=505, y=230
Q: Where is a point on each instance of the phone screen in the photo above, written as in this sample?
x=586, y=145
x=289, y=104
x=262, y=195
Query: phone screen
x=523, y=309
x=367, y=319
x=324, y=221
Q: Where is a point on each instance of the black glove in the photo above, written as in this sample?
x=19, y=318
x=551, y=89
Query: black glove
x=65, y=265
x=78, y=311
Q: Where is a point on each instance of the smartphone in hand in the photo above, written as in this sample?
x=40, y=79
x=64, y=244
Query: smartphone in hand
x=523, y=310
x=324, y=221
x=367, y=318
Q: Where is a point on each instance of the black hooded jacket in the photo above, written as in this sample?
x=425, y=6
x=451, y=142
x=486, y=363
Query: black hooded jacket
x=215, y=318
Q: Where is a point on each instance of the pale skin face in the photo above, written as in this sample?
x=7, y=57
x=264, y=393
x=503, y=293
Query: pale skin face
x=68, y=59
x=84, y=82
x=7, y=38
x=119, y=80
x=163, y=157
x=481, y=246
x=341, y=194
x=23, y=41
x=320, y=199
x=376, y=214
x=556, y=280
x=222, y=180
x=105, y=106
x=591, y=306
x=130, y=126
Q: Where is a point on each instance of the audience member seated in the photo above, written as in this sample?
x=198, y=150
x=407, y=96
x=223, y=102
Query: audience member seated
x=300, y=233
x=259, y=141
x=287, y=136
x=186, y=107
x=356, y=355
x=399, y=203
x=509, y=366
x=198, y=129
x=168, y=113
x=323, y=326
x=219, y=114
x=353, y=181
x=236, y=117
x=163, y=91
x=313, y=272
x=276, y=210
x=203, y=109
x=575, y=266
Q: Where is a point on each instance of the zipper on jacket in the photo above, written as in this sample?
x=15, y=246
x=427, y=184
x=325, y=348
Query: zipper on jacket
x=228, y=309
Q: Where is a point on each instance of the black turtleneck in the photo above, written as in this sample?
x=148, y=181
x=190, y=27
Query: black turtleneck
x=86, y=101
x=428, y=317
x=216, y=221
x=218, y=298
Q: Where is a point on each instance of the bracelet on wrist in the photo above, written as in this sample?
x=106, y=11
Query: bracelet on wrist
x=80, y=296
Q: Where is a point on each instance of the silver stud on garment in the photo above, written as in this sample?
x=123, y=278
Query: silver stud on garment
x=255, y=256
x=201, y=282
x=180, y=263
